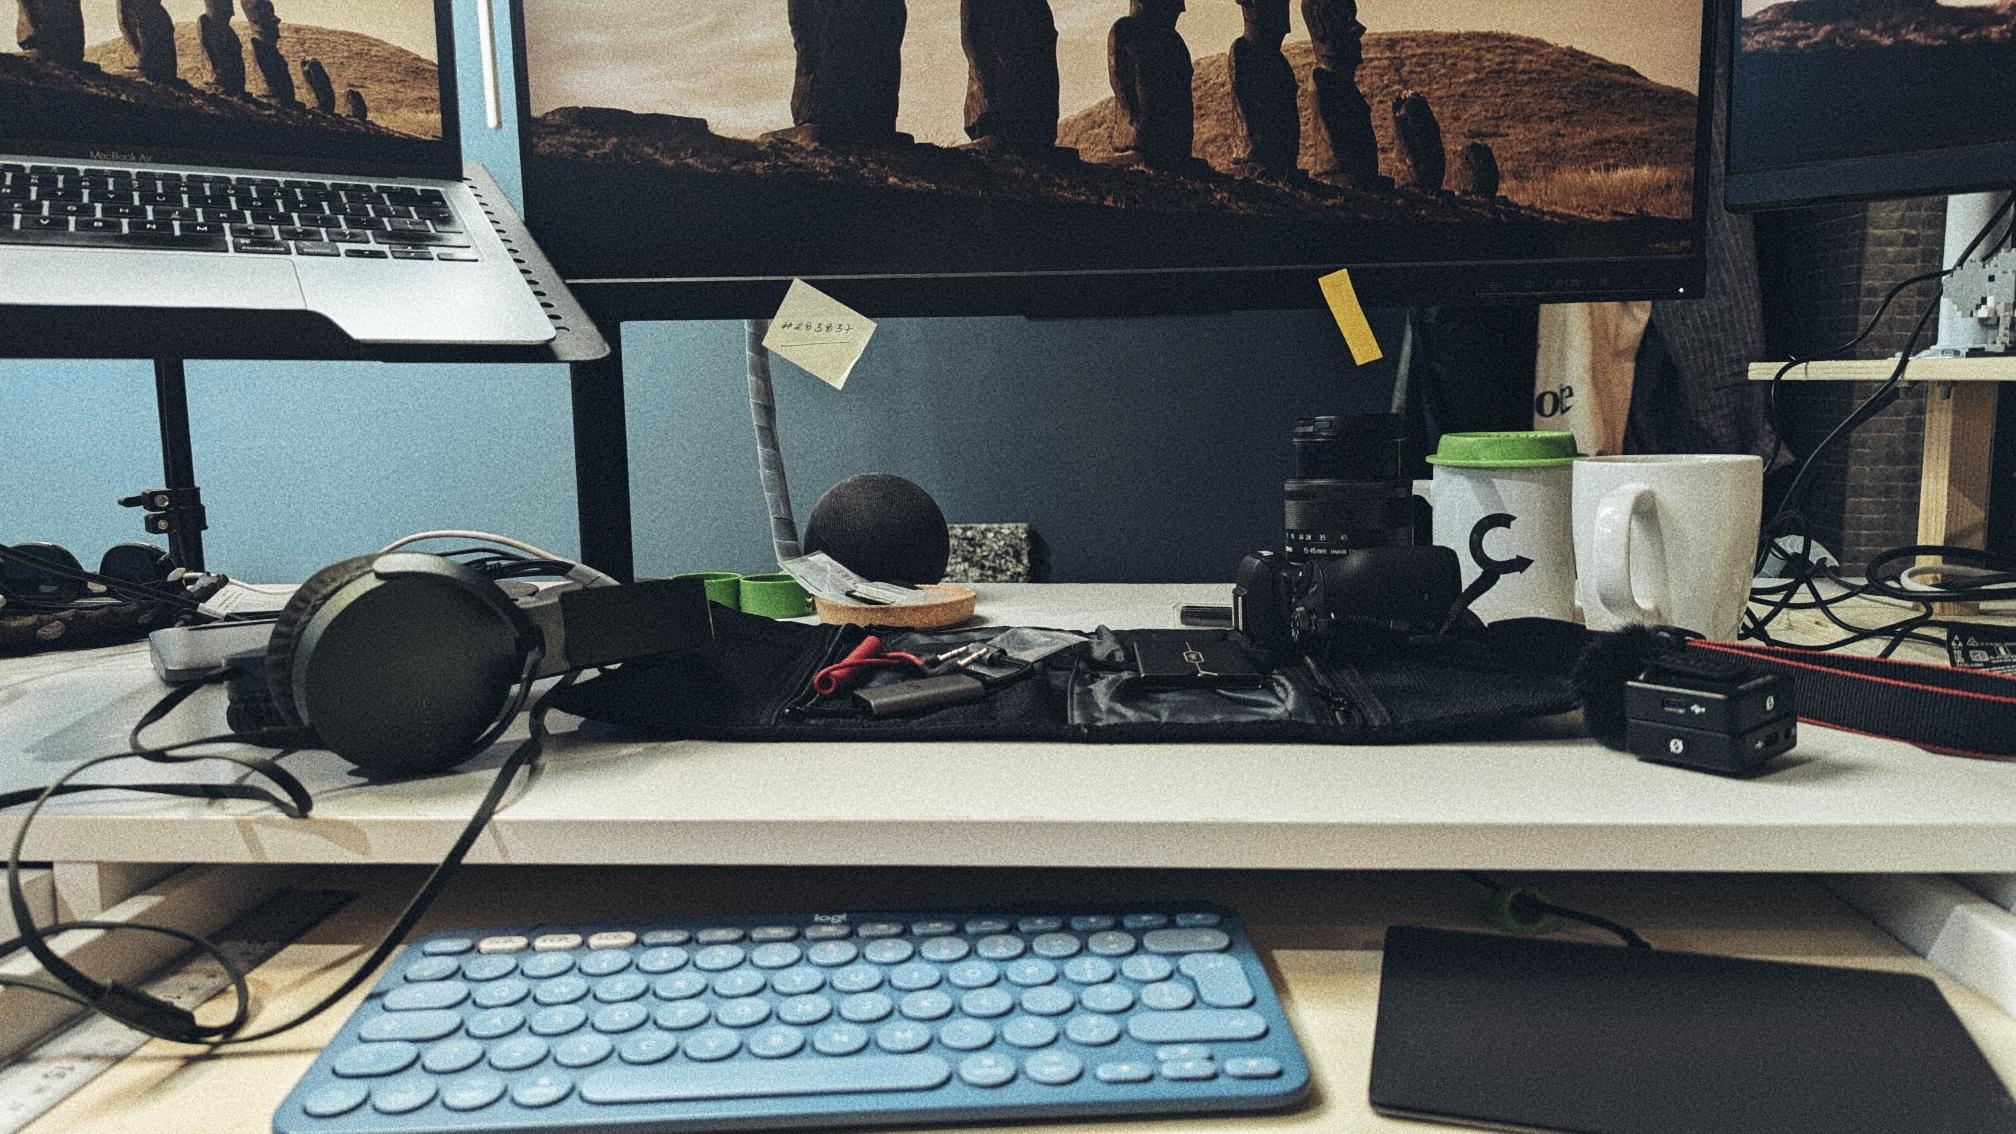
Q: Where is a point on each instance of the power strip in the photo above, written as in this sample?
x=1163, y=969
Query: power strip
x=61, y=1065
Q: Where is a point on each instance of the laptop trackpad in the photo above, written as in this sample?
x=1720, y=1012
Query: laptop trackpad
x=79, y=278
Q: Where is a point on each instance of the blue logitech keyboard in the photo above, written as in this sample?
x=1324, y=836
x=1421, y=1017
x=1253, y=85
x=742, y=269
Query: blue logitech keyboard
x=806, y=1021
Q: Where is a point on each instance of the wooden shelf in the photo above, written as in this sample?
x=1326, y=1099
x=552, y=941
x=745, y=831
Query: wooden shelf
x=1999, y=369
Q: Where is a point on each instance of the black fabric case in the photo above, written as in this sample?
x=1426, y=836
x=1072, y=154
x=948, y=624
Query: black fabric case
x=755, y=684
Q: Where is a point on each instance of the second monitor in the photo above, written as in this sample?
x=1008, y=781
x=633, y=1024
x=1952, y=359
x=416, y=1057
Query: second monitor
x=1068, y=156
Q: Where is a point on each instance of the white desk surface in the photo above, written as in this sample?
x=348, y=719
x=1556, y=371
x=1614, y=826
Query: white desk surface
x=1542, y=799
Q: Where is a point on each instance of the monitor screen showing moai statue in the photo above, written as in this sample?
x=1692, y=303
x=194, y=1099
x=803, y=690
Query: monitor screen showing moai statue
x=1472, y=140
x=1878, y=98
x=318, y=81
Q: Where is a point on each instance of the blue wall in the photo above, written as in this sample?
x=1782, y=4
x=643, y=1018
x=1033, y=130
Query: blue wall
x=1148, y=449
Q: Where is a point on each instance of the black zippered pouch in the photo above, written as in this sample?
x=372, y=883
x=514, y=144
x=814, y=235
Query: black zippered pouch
x=756, y=684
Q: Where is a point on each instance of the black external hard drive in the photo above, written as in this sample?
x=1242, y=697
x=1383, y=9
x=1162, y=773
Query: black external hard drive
x=1195, y=663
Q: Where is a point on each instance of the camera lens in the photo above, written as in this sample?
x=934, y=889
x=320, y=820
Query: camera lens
x=1364, y=446
x=1331, y=517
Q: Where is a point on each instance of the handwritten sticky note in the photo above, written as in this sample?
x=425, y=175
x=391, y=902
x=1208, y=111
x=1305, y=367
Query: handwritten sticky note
x=1350, y=316
x=819, y=333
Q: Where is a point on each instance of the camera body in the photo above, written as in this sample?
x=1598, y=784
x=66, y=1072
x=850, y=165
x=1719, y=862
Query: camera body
x=1332, y=607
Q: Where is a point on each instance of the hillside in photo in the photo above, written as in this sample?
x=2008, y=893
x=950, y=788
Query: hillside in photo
x=1832, y=25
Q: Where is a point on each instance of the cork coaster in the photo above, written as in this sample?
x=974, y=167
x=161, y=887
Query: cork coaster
x=954, y=608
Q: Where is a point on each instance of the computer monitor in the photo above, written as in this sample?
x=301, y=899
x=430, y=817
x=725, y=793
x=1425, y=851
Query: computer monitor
x=1113, y=156
x=1836, y=100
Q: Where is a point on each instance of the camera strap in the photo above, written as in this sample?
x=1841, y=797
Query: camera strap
x=1957, y=712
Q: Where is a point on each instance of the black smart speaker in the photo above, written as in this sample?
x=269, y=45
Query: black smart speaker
x=881, y=527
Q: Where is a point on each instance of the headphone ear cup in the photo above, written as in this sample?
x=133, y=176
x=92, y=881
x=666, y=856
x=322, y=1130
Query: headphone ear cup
x=294, y=617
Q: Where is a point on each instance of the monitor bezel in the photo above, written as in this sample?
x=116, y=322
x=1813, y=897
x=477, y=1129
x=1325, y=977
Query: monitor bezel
x=1179, y=291
x=437, y=160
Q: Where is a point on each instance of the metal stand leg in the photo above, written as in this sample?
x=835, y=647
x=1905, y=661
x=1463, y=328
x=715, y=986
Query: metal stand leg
x=180, y=515
x=602, y=462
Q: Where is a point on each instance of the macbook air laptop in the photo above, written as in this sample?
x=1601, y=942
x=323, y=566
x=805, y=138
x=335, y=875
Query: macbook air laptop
x=257, y=155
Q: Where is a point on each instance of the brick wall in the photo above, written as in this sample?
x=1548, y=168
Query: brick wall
x=1825, y=271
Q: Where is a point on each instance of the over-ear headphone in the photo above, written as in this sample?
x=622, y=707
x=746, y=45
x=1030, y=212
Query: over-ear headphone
x=46, y=576
x=404, y=663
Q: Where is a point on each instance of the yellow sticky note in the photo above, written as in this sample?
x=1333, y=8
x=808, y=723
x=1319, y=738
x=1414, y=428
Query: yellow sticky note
x=819, y=333
x=1343, y=300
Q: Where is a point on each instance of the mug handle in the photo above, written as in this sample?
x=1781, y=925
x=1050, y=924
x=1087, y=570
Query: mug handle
x=1612, y=561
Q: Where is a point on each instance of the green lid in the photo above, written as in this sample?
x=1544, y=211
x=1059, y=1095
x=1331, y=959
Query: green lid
x=1505, y=450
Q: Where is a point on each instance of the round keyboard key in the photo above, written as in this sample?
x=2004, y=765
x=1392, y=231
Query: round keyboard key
x=944, y=950
x=681, y=1015
x=604, y=962
x=518, y=1053
x=1054, y=1068
x=726, y=935
x=987, y=1070
x=932, y=1005
x=1029, y=1031
x=973, y=974
x=1169, y=1051
x=557, y=1020
x=1189, y=1070
x=914, y=976
x=999, y=947
x=1147, y=967
x=798, y=981
x=1049, y=1000
x=1124, y=1071
x=544, y=966
x=615, y=1019
x=584, y=1050
x=657, y=937
x=1186, y=941
x=741, y=982
x=1039, y=924
x=857, y=978
x=1197, y=920
x=494, y=1024
x=666, y=959
x=833, y=954
x=451, y=1056
x=501, y=993
x=432, y=968
x=402, y=1096
x=902, y=1037
x=1092, y=923
x=776, y=1042
x=371, y=1060
x=1055, y=946
x=472, y=1092
x=966, y=1035
x=1144, y=921
x=1253, y=1067
x=711, y=1045
x=888, y=951
x=742, y=1012
x=1111, y=943
x=335, y=1099
x=489, y=966
x=933, y=928
x=839, y=1039
x=1109, y=998
x=986, y=1003
x=430, y=996
x=776, y=955
x=647, y=1047
x=873, y=929
x=542, y=1090
x=447, y=947
x=765, y=934
x=719, y=958
x=419, y=1027
x=866, y=1007
x=1167, y=996
x=1088, y=970
x=679, y=986
x=564, y=990
x=804, y=1010
x=617, y=989
x=826, y=932
x=982, y=926
x=1092, y=1031
x=1030, y=972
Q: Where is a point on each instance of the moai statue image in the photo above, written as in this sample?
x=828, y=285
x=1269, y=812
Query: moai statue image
x=1476, y=171
x=1155, y=121
x=319, y=87
x=850, y=72
x=222, y=47
x=354, y=105
x=273, y=70
x=1347, y=151
x=1011, y=75
x=51, y=30
x=1263, y=93
x=1424, y=165
x=150, y=32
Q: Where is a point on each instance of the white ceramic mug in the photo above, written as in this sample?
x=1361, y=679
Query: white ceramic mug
x=1670, y=540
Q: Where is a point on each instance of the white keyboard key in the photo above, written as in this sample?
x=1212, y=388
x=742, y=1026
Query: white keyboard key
x=612, y=939
x=556, y=942
x=506, y=944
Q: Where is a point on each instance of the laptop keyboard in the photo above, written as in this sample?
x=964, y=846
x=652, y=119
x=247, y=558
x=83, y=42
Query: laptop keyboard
x=54, y=206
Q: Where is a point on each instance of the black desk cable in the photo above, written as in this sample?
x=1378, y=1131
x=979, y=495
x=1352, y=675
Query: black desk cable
x=1530, y=909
